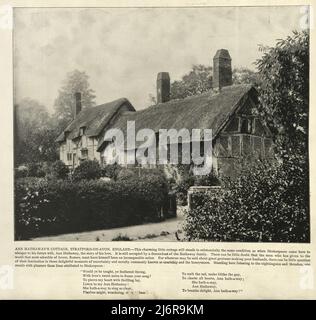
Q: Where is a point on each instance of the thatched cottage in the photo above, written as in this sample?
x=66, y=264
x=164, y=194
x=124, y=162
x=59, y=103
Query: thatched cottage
x=227, y=109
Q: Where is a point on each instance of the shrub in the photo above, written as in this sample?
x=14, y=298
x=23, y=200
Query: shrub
x=111, y=171
x=122, y=238
x=88, y=169
x=134, y=172
x=187, y=180
x=207, y=180
x=39, y=170
x=36, y=170
x=20, y=172
x=128, y=173
x=151, y=188
x=59, y=170
x=263, y=204
x=182, y=188
x=44, y=207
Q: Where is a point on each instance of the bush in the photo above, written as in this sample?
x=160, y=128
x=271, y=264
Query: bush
x=111, y=171
x=128, y=173
x=187, y=180
x=20, y=172
x=36, y=170
x=207, y=180
x=56, y=169
x=134, y=172
x=122, y=238
x=59, y=170
x=263, y=204
x=45, y=207
x=88, y=169
x=182, y=188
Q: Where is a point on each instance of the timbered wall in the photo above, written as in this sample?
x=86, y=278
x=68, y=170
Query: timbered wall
x=243, y=140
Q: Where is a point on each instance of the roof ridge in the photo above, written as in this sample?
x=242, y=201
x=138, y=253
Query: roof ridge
x=199, y=95
x=115, y=100
x=93, y=118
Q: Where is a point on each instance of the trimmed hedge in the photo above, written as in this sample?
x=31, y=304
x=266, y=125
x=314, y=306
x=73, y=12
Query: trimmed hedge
x=47, y=207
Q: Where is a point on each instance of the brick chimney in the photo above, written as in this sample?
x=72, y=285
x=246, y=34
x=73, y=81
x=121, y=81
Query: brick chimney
x=163, y=87
x=222, y=69
x=77, y=107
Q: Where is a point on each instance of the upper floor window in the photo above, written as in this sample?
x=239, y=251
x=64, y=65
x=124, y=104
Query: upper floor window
x=84, y=153
x=246, y=125
x=82, y=131
x=250, y=125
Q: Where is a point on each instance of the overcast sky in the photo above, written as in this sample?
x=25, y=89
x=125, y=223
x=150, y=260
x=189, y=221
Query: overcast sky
x=122, y=50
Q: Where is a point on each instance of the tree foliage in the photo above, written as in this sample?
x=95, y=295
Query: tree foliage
x=199, y=80
x=36, y=130
x=284, y=105
x=245, y=76
x=35, y=133
x=284, y=92
x=76, y=81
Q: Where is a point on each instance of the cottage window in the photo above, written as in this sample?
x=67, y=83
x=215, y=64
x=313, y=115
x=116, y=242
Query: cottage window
x=69, y=156
x=243, y=127
x=246, y=125
x=84, y=153
x=82, y=131
x=249, y=125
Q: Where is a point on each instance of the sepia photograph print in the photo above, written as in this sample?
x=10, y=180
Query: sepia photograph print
x=161, y=124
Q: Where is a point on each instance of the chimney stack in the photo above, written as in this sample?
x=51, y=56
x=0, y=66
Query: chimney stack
x=163, y=87
x=77, y=108
x=222, y=69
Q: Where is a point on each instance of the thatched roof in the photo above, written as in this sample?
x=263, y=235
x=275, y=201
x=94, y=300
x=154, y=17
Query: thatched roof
x=209, y=110
x=93, y=119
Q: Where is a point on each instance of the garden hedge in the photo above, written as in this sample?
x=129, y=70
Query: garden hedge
x=47, y=207
x=265, y=204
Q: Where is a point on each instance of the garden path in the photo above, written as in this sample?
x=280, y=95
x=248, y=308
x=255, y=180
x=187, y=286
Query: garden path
x=159, y=231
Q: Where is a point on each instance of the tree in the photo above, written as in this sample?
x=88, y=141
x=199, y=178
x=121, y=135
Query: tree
x=34, y=133
x=284, y=105
x=245, y=76
x=32, y=114
x=76, y=81
x=199, y=80
x=284, y=93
